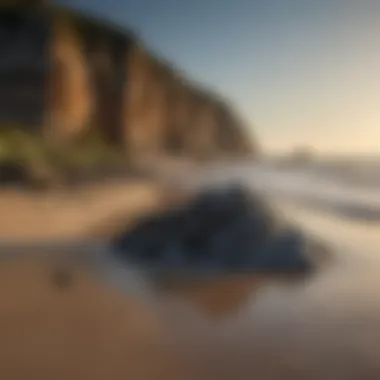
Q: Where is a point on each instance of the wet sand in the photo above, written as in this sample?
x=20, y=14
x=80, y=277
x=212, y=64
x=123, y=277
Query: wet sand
x=233, y=327
x=83, y=332
x=88, y=331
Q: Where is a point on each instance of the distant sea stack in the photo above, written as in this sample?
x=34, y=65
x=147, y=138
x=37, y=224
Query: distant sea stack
x=65, y=73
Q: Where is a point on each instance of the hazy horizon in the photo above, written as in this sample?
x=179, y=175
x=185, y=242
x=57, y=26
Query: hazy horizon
x=302, y=73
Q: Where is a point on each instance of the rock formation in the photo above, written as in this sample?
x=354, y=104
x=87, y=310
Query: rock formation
x=72, y=74
x=220, y=231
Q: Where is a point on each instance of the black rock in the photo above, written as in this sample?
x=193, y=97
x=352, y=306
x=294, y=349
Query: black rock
x=285, y=253
x=228, y=229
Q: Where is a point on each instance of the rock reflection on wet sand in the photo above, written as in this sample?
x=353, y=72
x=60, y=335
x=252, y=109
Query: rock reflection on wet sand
x=325, y=329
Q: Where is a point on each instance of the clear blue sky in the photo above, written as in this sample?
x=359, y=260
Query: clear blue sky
x=300, y=71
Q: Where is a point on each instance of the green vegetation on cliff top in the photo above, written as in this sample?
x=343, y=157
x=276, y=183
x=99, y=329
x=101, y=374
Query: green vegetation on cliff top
x=19, y=147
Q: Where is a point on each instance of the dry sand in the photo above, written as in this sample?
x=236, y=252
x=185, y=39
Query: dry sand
x=89, y=210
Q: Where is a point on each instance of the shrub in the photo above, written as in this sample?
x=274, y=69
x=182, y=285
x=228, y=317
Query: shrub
x=46, y=158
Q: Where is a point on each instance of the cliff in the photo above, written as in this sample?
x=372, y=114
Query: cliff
x=68, y=74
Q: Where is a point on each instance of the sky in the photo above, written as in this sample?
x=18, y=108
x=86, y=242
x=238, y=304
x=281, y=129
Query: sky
x=301, y=72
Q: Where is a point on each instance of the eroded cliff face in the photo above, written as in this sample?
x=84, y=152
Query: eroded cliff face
x=147, y=103
x=24, y=38
x=71, y=95
x=181, y=114
x=232, y=137
x=92, y=63
x=91, y=76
